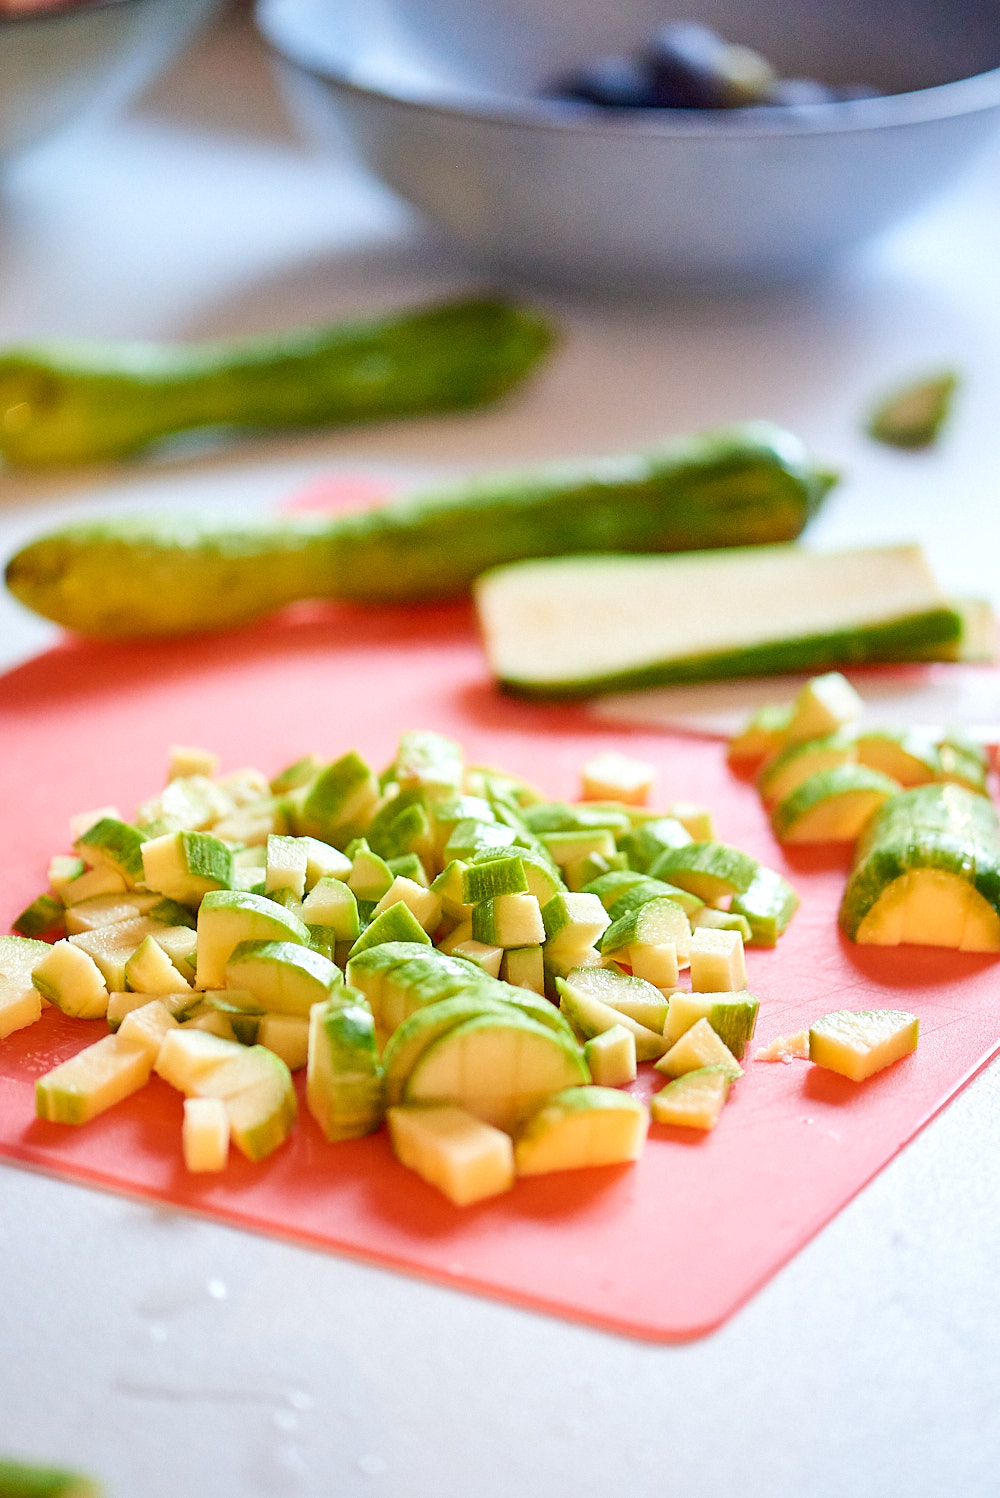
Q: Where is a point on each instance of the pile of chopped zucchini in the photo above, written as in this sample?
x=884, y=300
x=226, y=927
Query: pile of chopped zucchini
x=439, y=946
x=914, y=807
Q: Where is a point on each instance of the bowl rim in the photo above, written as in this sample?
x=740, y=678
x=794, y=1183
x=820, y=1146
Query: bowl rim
x=60, y=11
x=289, y=34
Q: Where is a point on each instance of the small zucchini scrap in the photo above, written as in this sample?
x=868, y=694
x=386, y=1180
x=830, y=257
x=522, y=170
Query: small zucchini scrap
x=914, y=415
x=858, y=1043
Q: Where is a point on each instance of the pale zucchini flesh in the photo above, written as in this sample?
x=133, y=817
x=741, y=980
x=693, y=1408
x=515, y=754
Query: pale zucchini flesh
x=575, y=626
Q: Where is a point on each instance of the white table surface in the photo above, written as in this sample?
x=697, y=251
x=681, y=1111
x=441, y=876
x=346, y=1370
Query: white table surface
x=174, y=1356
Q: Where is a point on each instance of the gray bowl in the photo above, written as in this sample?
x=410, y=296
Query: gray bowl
x=57, y=66
x=443, y=101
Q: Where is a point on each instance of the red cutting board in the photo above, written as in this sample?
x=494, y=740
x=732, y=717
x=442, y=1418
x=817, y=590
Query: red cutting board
x=664, y=1250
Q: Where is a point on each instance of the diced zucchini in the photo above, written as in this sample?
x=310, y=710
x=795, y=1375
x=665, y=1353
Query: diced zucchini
x=611, y=1057
x=795, y=763
x=296, y=775
x=429, y=761
x=513, y=920
x=569, y=847
x=113, y=844
x=767, y=905
x=732, y=1015
x=823, y=706
x=255, y=1085
x=497, y=876
x=654, y=961
x=717, y=961
x=644, y=844
x=712, y=871
x=423, y=980
x=397, y=923
x=100, y=881
x=657, y=921
x=694, y=1100
x=422, y=903
x=228, y=917
x=832, y=806
x=645, y=889
x=857, y=1043
x=588, y=1012
x=613, y=776
x=338, y=804
x=287, y=1035
x=484, y=955
x=761, y=736
x=187, y=865
x=699, y=1046
x=20, y=999
x=332, y=903
x=285, y=868
x=500, y=1067
x=572, y=921
x=370, y=875
x=205, y=1134
x=121, y=1004
x=45, y=916
x=150, y=970
x=323, y=861
x=465, y=1158
x=581, y=1127
x=344, y=1083
x=147, y=1025
x=627, y=993
x=93, y=1080
x=70, y=978
x=524, y=967
x=425, y=1025
x=285, y=977
x=708, y=918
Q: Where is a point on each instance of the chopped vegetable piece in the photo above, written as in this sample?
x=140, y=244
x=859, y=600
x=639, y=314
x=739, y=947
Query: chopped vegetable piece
x=580, y=1127
x=914, y=415
x=578, y=626
x=717, y=961
x=465, y=1158
x=617, y=777
x=694, y=1100
x=205, y=1134
x=927, y=871
x=832, y=806
x=699, y=1046
x=857, y=1043
x=731, y=1015
x=611, y=1057
x=93, y=1080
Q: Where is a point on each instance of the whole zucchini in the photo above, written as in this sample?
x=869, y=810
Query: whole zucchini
x=80, y=402
x=171, y=574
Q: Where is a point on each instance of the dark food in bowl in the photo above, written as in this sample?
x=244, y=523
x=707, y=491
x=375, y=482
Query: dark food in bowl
x=689, y=66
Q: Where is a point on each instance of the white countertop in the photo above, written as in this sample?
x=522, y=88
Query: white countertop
x=169, y=1355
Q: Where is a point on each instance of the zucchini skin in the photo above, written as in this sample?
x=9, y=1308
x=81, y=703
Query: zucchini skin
x=87, y=402
x=175, y=574
x=937, y=826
